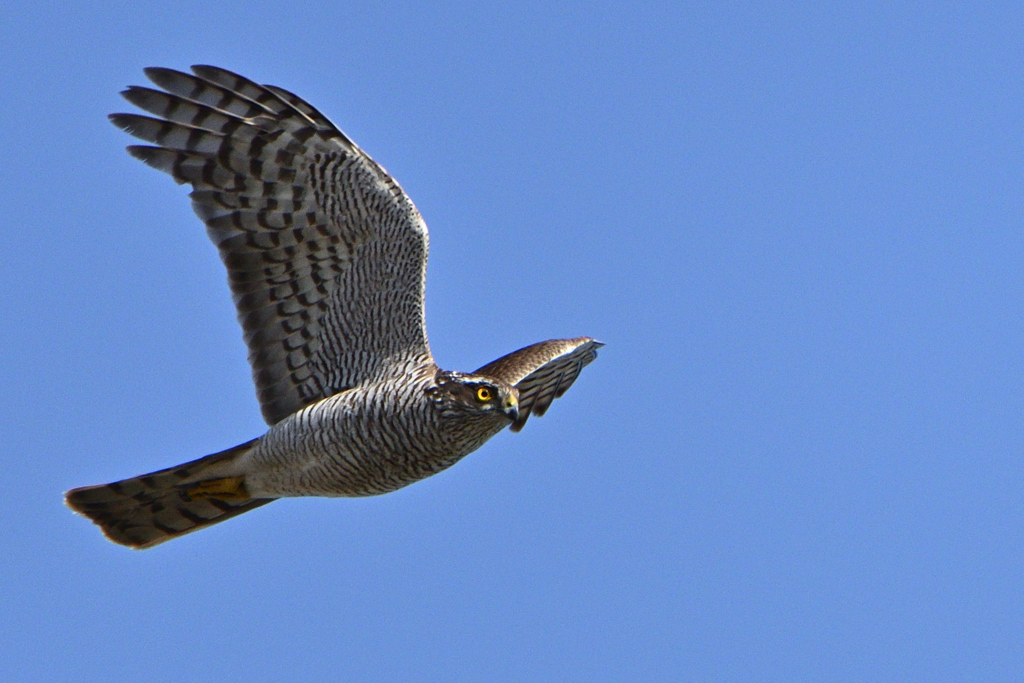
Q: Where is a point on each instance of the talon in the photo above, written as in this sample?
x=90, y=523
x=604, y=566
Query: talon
x=228, y=488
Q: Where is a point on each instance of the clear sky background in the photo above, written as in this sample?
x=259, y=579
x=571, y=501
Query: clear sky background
x=799, y=457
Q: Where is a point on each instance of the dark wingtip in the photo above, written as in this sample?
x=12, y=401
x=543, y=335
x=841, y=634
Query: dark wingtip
x=123, y=121
x=154, y=72
x=142, y=152
x=134, y=93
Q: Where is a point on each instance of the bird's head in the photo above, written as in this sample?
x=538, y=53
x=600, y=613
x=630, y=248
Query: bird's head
x=456, y=393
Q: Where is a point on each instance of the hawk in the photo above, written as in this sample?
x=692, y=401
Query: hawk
x=326, y=258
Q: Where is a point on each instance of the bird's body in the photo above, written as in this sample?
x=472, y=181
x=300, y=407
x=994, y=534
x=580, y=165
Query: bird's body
x=364, y=442
x=326, y=257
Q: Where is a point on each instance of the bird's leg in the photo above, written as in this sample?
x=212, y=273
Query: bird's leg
x=228, y=488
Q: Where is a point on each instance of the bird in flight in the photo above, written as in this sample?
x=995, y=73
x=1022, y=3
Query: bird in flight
x=326, y=258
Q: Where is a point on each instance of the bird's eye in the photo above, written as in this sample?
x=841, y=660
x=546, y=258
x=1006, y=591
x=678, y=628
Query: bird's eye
x=484, y=394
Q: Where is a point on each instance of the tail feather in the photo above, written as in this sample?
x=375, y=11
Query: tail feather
x=145, y=511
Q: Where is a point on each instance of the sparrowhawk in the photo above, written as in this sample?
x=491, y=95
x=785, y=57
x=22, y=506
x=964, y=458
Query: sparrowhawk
x=326, y=259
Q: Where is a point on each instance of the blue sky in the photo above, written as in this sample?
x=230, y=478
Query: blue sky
x=798, y=230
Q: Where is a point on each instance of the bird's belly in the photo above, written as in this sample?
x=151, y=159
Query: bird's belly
x=350, y=454
x=361, y=443
x=334, y=471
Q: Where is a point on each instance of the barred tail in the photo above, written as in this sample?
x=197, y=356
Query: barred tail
x=145, y=511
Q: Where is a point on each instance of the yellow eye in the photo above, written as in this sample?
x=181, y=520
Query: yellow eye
x=484, y=394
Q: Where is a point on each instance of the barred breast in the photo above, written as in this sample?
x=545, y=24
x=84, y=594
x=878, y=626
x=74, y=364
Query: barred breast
x=369, y=440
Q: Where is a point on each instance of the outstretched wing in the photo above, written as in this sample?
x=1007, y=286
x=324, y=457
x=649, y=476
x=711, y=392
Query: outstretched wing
x=542, y=372
x=326, y=255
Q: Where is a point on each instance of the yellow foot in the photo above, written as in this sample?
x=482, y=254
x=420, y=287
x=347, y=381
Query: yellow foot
x=228, y=488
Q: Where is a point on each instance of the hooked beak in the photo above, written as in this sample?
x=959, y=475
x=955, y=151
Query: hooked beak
x=511, y=408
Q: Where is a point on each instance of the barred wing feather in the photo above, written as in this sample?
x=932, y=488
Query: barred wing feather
x=326, y=255
x=542, y=372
